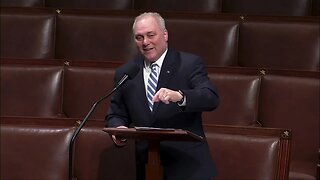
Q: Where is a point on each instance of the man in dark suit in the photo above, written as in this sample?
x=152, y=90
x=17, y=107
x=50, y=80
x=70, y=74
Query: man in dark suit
x=181, y=90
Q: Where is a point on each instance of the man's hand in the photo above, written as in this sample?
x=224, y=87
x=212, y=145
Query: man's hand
x=118, y=141
x=167, y=95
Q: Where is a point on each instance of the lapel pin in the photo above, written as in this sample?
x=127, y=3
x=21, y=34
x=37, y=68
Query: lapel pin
x=168, y=72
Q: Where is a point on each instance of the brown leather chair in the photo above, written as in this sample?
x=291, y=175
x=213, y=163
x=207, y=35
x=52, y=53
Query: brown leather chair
x=90, y=36
x=249, y=152
x=239, y=93
x=31, y=90
x=84, y=84
x=22, y=3
x=291, y=100
x=214, y=38
x=96, y=157
x=268, y=7
x=91, y=4
x=198, y=6
x=27, y=33
x=34, y=148
x=280, y=44
x=218, y=47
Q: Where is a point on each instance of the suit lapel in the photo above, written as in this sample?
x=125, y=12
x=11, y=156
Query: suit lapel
x=141, y=93
x=167, y=72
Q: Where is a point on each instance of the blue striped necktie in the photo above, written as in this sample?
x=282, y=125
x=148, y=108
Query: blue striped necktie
x=152, y=84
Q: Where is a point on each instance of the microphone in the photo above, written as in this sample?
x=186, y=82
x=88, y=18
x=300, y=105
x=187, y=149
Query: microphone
x=130, y=71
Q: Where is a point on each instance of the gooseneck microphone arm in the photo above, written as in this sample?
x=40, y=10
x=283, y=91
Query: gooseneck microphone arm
x=124, y=78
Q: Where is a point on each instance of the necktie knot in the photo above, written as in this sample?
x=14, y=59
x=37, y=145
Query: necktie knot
x=154, y=67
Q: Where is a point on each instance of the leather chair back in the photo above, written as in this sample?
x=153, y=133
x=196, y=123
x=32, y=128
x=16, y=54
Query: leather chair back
x=291, y=100
x=27, y=33
x=94, y=37
x=84, y=85
x=31, y=90
x=268, y=7
x=22, y=3
x=91, y=4
x=96, y=157
x=198, y=6
x=238, y=90
x=215, y=39
x=249, y=152
x=279, y=44
x=34, y=148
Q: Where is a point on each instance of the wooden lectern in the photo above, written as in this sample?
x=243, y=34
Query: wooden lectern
x=154, y=170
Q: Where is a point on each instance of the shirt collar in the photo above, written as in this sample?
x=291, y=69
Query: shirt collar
x=159, y=61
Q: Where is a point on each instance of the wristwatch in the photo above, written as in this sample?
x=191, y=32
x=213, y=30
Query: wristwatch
x=183, y=97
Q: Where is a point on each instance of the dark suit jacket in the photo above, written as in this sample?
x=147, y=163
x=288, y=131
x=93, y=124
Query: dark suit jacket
x=179, y=71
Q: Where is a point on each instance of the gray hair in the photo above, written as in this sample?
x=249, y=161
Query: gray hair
x=156, y=15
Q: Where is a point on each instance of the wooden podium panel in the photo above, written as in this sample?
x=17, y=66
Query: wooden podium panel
x=154, y=169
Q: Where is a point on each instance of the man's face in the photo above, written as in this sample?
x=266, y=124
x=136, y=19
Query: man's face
x=151, y=40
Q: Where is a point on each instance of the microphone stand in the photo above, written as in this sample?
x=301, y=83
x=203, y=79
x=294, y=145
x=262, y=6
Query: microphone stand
x=85, y=120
